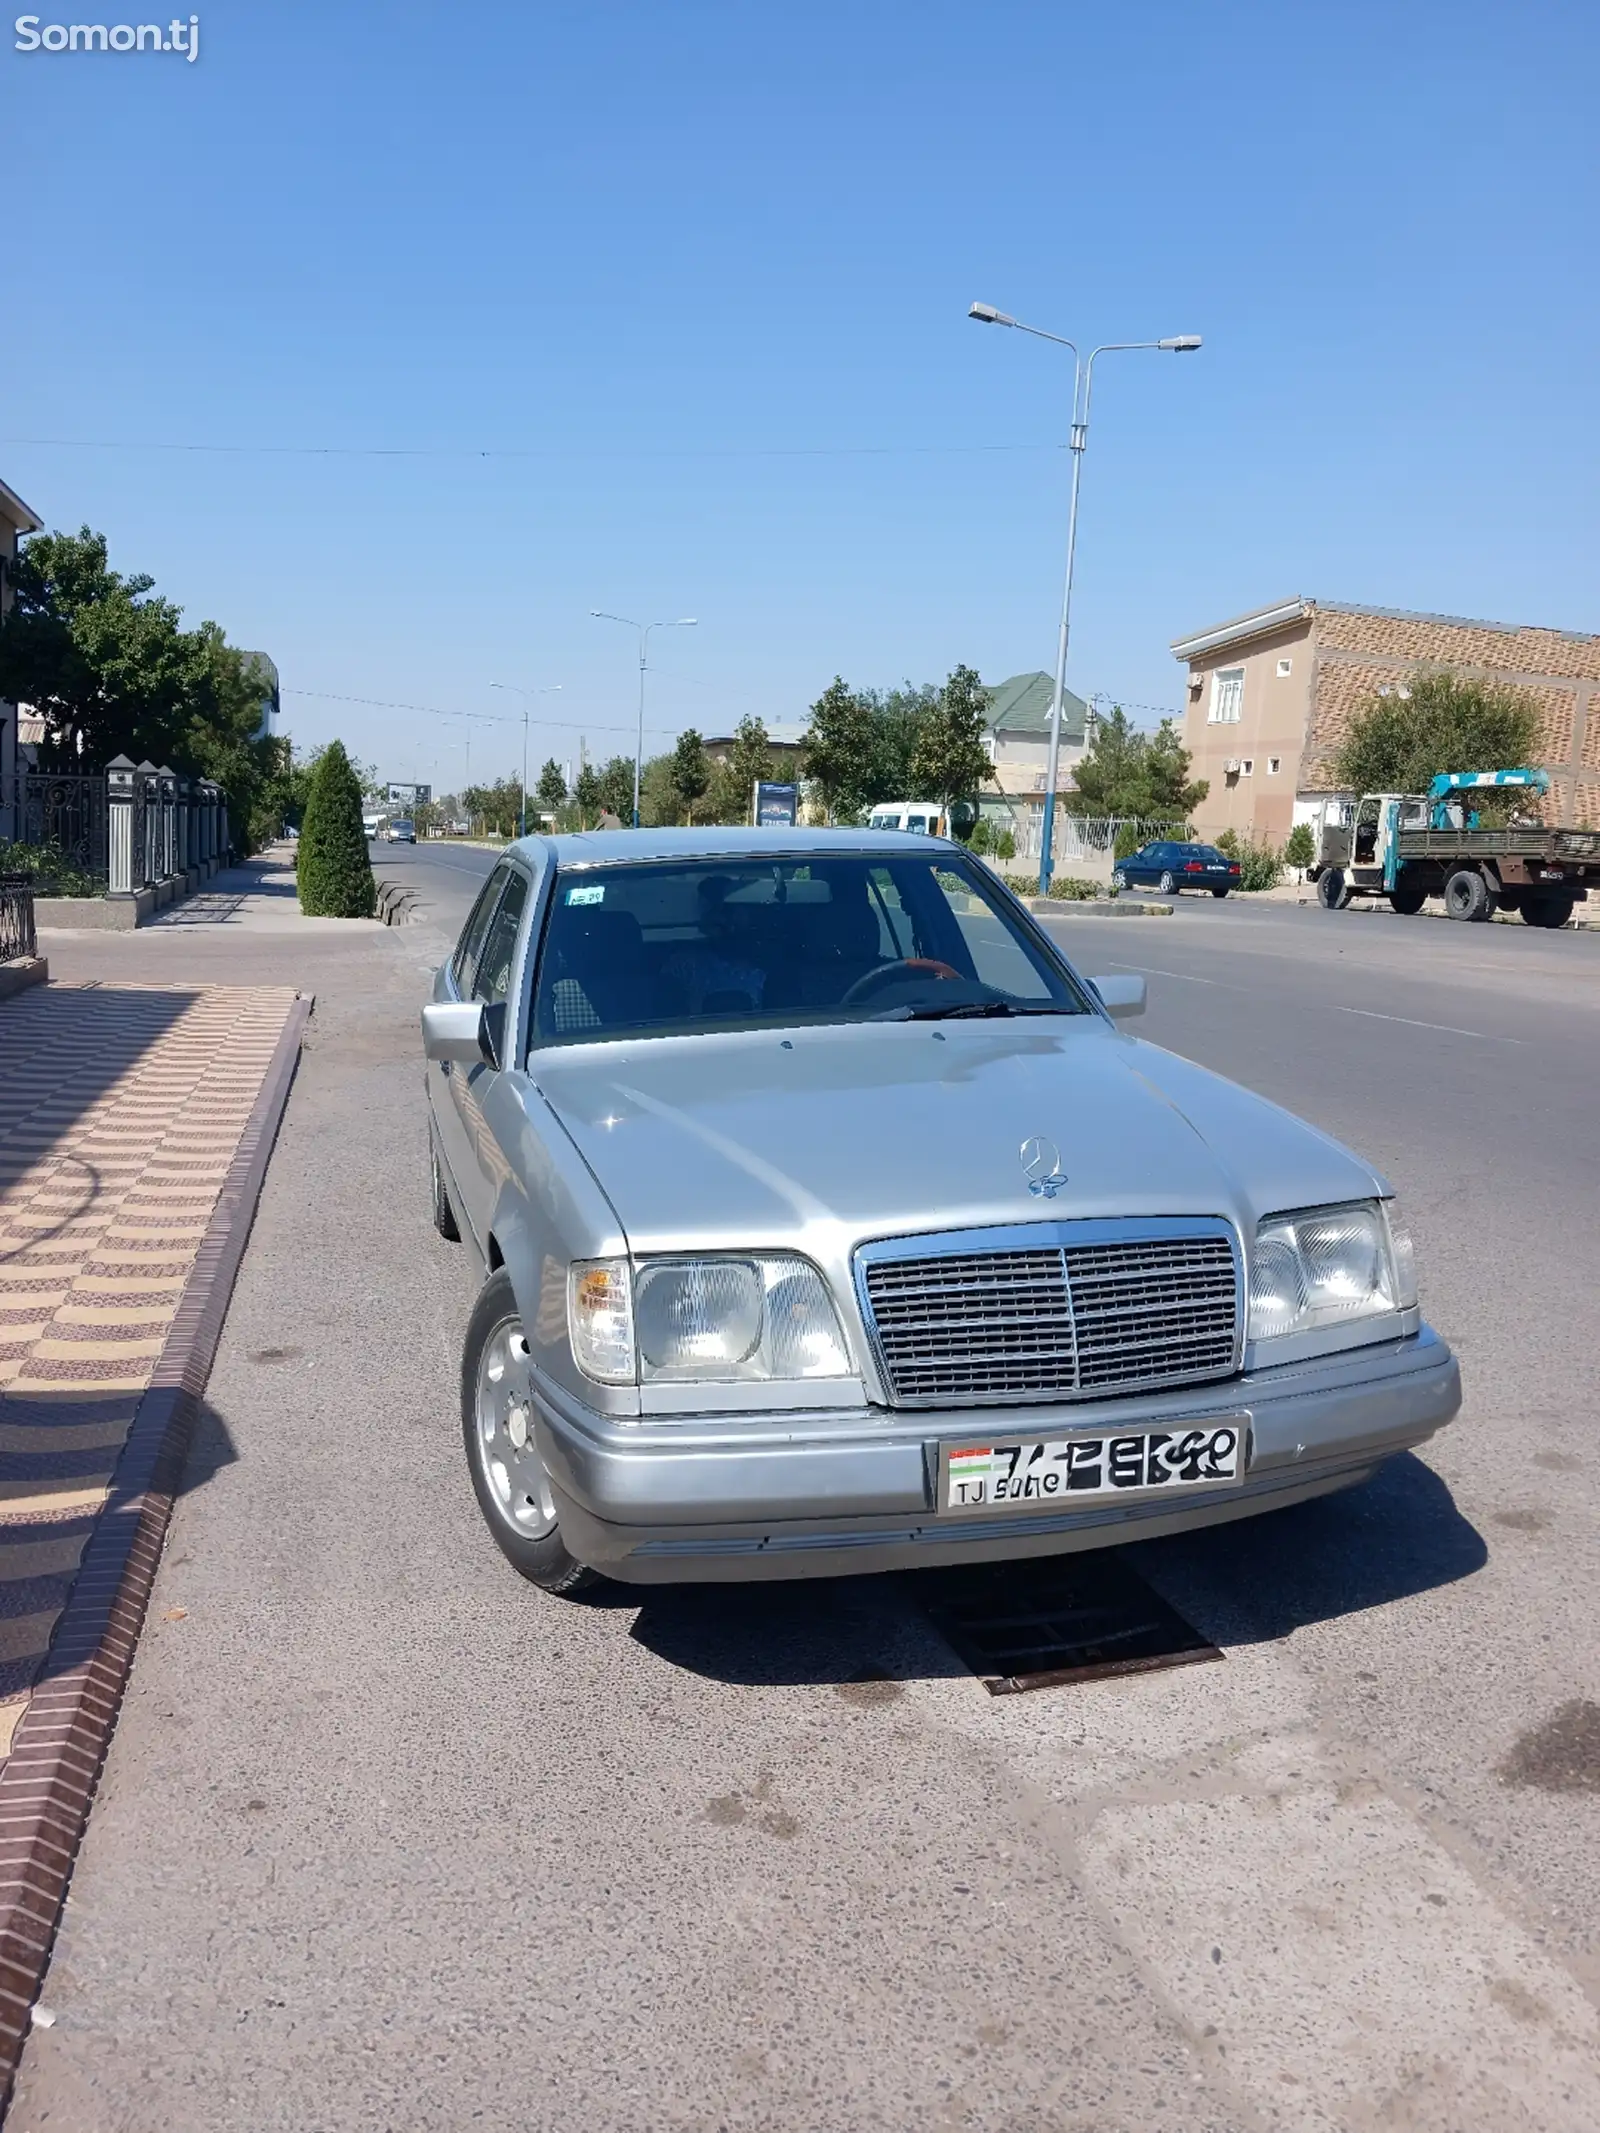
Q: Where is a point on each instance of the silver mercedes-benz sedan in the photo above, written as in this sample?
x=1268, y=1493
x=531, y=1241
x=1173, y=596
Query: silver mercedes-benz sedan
x=830, y=1223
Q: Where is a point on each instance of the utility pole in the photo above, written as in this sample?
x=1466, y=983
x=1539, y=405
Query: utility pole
x=1082, y=387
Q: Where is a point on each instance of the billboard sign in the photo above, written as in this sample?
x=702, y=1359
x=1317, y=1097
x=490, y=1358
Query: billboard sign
x=776, y=806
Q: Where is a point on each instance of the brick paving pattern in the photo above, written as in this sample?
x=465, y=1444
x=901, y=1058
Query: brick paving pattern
x=121, y=1109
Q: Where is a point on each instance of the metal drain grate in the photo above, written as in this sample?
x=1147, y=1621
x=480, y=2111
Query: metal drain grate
x=1054, y=1619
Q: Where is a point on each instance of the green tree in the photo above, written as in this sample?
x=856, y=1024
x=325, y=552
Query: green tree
x=691, y=770
x=1142, y=776
x=1172, y=796
x=950, y=761
x=659, y=804
x=616, y=787
x=551, y=792
x=587, y=795
x=898, y=719
x=838, y=752
x=734, y=780
x=1301, y=849
x=1446, y=722
x=332, y=868
x=103, y=660
x=496, y=809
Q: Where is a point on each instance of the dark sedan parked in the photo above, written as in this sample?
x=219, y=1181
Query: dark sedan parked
x=1172, y=868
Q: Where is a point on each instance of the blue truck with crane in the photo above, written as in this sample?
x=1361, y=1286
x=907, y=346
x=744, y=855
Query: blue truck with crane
x=1407, y=847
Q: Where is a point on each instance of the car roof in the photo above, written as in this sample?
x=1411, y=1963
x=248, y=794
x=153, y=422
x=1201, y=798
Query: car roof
x=613, y=847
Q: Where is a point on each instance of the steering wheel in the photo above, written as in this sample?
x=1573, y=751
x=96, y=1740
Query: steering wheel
x=888, y=973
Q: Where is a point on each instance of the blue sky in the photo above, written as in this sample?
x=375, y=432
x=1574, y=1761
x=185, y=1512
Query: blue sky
x=694, y=276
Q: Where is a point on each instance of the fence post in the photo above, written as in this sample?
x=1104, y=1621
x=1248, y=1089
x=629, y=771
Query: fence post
x=119, y=835
x=149, y=789
x=166, y=780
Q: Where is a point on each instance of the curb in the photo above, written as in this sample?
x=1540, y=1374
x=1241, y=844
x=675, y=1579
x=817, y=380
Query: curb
x=26, y=970
x=47, y=1785
x=1096, y=907
x=394, y=902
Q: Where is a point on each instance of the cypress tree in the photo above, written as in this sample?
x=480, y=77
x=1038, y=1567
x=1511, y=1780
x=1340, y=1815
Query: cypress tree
x=332, y=868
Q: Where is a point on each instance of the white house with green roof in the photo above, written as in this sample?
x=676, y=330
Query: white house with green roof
x=1019, y=748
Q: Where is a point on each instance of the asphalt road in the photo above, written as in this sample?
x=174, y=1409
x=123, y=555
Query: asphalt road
x=387, y=1840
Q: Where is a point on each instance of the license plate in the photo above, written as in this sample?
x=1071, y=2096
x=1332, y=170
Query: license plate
x=1025, y=1473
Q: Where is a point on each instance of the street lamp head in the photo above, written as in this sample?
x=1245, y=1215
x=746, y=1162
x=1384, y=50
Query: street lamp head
x=987, y=315
x=1181, y=343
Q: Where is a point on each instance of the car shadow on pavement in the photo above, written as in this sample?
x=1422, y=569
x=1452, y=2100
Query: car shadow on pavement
x=1253, y=1582
x=1396, y=1536
x=842, y=1632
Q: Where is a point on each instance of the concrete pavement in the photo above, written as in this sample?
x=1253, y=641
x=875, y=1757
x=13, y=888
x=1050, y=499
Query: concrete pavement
x=388, y=1840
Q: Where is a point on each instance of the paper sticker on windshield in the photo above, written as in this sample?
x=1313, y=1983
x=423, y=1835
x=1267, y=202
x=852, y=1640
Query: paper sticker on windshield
x=593, y=892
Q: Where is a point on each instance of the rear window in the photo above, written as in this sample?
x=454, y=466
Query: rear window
x=676, y=947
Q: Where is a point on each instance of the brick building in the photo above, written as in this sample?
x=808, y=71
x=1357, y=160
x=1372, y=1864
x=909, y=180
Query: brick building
x=1271, y=694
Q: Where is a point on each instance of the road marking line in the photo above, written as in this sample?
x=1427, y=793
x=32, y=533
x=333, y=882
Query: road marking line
x=1449, y=1028
x=1149, y=970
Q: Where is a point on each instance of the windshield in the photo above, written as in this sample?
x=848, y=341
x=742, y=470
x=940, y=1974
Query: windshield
x=683, y=946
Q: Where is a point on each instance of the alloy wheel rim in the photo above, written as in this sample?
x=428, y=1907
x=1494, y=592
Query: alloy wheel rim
x=519, y=1487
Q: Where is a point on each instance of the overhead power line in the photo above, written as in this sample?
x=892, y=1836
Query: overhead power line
x=383, y=703
x=448, y=451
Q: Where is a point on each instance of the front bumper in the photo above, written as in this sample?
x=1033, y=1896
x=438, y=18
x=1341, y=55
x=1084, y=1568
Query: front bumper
x=843, y=1492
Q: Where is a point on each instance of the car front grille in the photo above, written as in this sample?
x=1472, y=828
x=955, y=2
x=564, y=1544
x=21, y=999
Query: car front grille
x=1059, y=1321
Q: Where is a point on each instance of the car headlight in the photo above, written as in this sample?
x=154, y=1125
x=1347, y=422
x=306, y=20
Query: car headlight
x=723, y=1320
x=1326, y=1266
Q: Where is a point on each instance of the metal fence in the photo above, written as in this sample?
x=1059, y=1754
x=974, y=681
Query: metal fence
x=126, y=828
x=1088, y=843
x=17, y=936
x=61, y=815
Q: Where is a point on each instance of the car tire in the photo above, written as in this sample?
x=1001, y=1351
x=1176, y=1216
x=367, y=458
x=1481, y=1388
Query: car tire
x=1222, y=892
x=1408, y=902
x=444, y=1215
x=1333, y=891
x=1549, y=911
x=1119, y=881
x=1466, y=896
x=1167, y=885
x=508, y=1476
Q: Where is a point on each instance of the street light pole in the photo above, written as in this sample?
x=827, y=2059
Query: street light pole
x=1082, y=388
x=511, y=688
x=684, y=622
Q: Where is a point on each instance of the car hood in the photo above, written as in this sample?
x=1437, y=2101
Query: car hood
x=838, y=1134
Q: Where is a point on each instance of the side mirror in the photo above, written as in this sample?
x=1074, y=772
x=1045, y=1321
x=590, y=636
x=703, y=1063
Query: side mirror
x=457, y=1032
x=1121, y=997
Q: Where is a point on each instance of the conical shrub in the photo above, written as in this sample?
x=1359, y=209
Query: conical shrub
x=332, y=869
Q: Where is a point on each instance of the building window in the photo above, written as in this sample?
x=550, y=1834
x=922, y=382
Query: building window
x=1285, y=668
x=1248, y=766
x=1274, y=765
x=1227, y=696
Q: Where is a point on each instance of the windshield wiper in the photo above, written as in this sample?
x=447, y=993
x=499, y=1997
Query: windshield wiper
x=969, y=1010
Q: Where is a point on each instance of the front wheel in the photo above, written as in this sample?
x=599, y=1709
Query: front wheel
x=1167, y=885
x=1466, y=896
x=1333, y=892
x=497, y=1420
x=1408, y=902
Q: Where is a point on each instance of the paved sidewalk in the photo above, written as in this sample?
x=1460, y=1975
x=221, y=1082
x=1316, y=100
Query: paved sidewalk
x=121, y=1108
